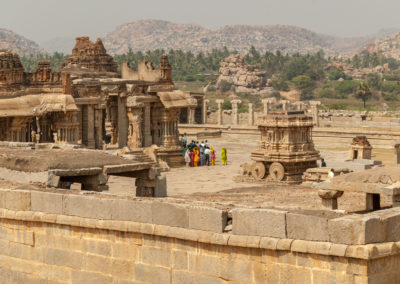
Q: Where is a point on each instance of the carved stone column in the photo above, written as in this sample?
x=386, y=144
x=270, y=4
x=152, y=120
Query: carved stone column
x=191, y=113
x=90, y=128
x=135, y=125
x=285, y=105
x=147, y=126
x=235, y=111
x=251, y=114
x=219, y=102
x=114, y=123
x=266, y=103
x=205, y=107
x=314, y=110
x=98, y=117
x=396, y=145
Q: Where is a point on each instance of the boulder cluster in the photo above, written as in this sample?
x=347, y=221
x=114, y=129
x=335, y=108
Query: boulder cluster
x=244, y=77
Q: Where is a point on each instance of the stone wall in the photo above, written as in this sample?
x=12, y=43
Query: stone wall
x=335, y=137
x=62, y=238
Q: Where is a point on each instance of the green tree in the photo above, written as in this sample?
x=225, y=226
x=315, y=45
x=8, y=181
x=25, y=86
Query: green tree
x=363, y=92
x=304, y=84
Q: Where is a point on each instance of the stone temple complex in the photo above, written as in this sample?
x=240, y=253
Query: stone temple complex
x=67, y=136
x=75, y=104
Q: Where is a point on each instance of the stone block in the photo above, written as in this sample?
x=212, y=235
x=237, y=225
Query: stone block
x=204, y=264
x=170, y=214
x=130, y=210
x=122, y=268
x=17, y=200
x=207, y=219
x=46, y=202
x=357, y=230
x=89, y=278
x=150, y=273
x=3, y=198
x=156, y=256
x=63, y=258
x=345, y=230
x=236, y=271
x=87, y=207
x=180, y=260
x=53, y=180
x=160, y=187
x=259, y=222
x=307, y=227
x=392, y=217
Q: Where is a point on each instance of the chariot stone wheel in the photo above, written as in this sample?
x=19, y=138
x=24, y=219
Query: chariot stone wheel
x=258, y=170
x=276, y=171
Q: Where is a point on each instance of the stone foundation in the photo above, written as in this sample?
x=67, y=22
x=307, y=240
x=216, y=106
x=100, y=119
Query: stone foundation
x=177, y=243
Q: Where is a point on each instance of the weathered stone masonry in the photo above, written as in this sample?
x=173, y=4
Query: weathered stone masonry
x=53, y=238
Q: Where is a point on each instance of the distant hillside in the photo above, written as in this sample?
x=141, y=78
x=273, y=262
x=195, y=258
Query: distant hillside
x=155, y=34
x=389, y=46
x=17, y=43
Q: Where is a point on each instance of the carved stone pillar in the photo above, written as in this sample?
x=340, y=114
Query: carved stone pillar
x=122, y=122
x=219, y=119
x=98, y=128
x=191, y=113
x=397, y=152
x=114, y=123
x=90, y=128
x=314, y=111
x=205, y=107
x=266, y=103
x=135, y=126
x=235, y=111
x=251, y=114
x=285, y=105
x=147, y=126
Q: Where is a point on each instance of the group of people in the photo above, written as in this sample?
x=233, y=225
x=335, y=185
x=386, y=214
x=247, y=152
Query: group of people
x=201, y=154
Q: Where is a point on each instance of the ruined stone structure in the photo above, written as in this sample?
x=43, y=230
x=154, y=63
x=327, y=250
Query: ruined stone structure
x=286, y=149
x=360, y=148
x=35, y=107
x=73, y=105
x=92, y=55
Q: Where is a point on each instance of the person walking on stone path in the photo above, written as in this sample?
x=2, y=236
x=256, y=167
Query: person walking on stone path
x=207, y=153
x=212, y=156
x=224, y=157
x=187, y=158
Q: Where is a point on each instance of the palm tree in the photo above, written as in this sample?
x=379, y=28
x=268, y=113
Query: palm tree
x=363, y=92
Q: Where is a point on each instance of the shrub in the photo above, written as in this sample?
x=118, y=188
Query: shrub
x=224, y=86
x=330, y=93
x=227, y=104
x=345, y=87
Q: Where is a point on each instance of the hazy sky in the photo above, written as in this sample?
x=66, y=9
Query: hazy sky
x=41, y=20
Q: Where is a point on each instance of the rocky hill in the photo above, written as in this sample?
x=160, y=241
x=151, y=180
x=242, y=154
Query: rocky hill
x=389, y=46
x=155, y=34
x=17, y=43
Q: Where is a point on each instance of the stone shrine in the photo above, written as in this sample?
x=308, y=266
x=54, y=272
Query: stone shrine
x=360, y=148
x=286, y=149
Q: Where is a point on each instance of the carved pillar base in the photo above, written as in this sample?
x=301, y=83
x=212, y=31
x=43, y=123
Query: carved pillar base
x=329, y=198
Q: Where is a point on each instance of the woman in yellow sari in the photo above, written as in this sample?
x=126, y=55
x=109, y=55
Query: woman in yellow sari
x=212, y=157
x=224, y=157
x=196, y=156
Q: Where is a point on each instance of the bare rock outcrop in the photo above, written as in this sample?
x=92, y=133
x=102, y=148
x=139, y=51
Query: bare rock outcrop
x=244, y=77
